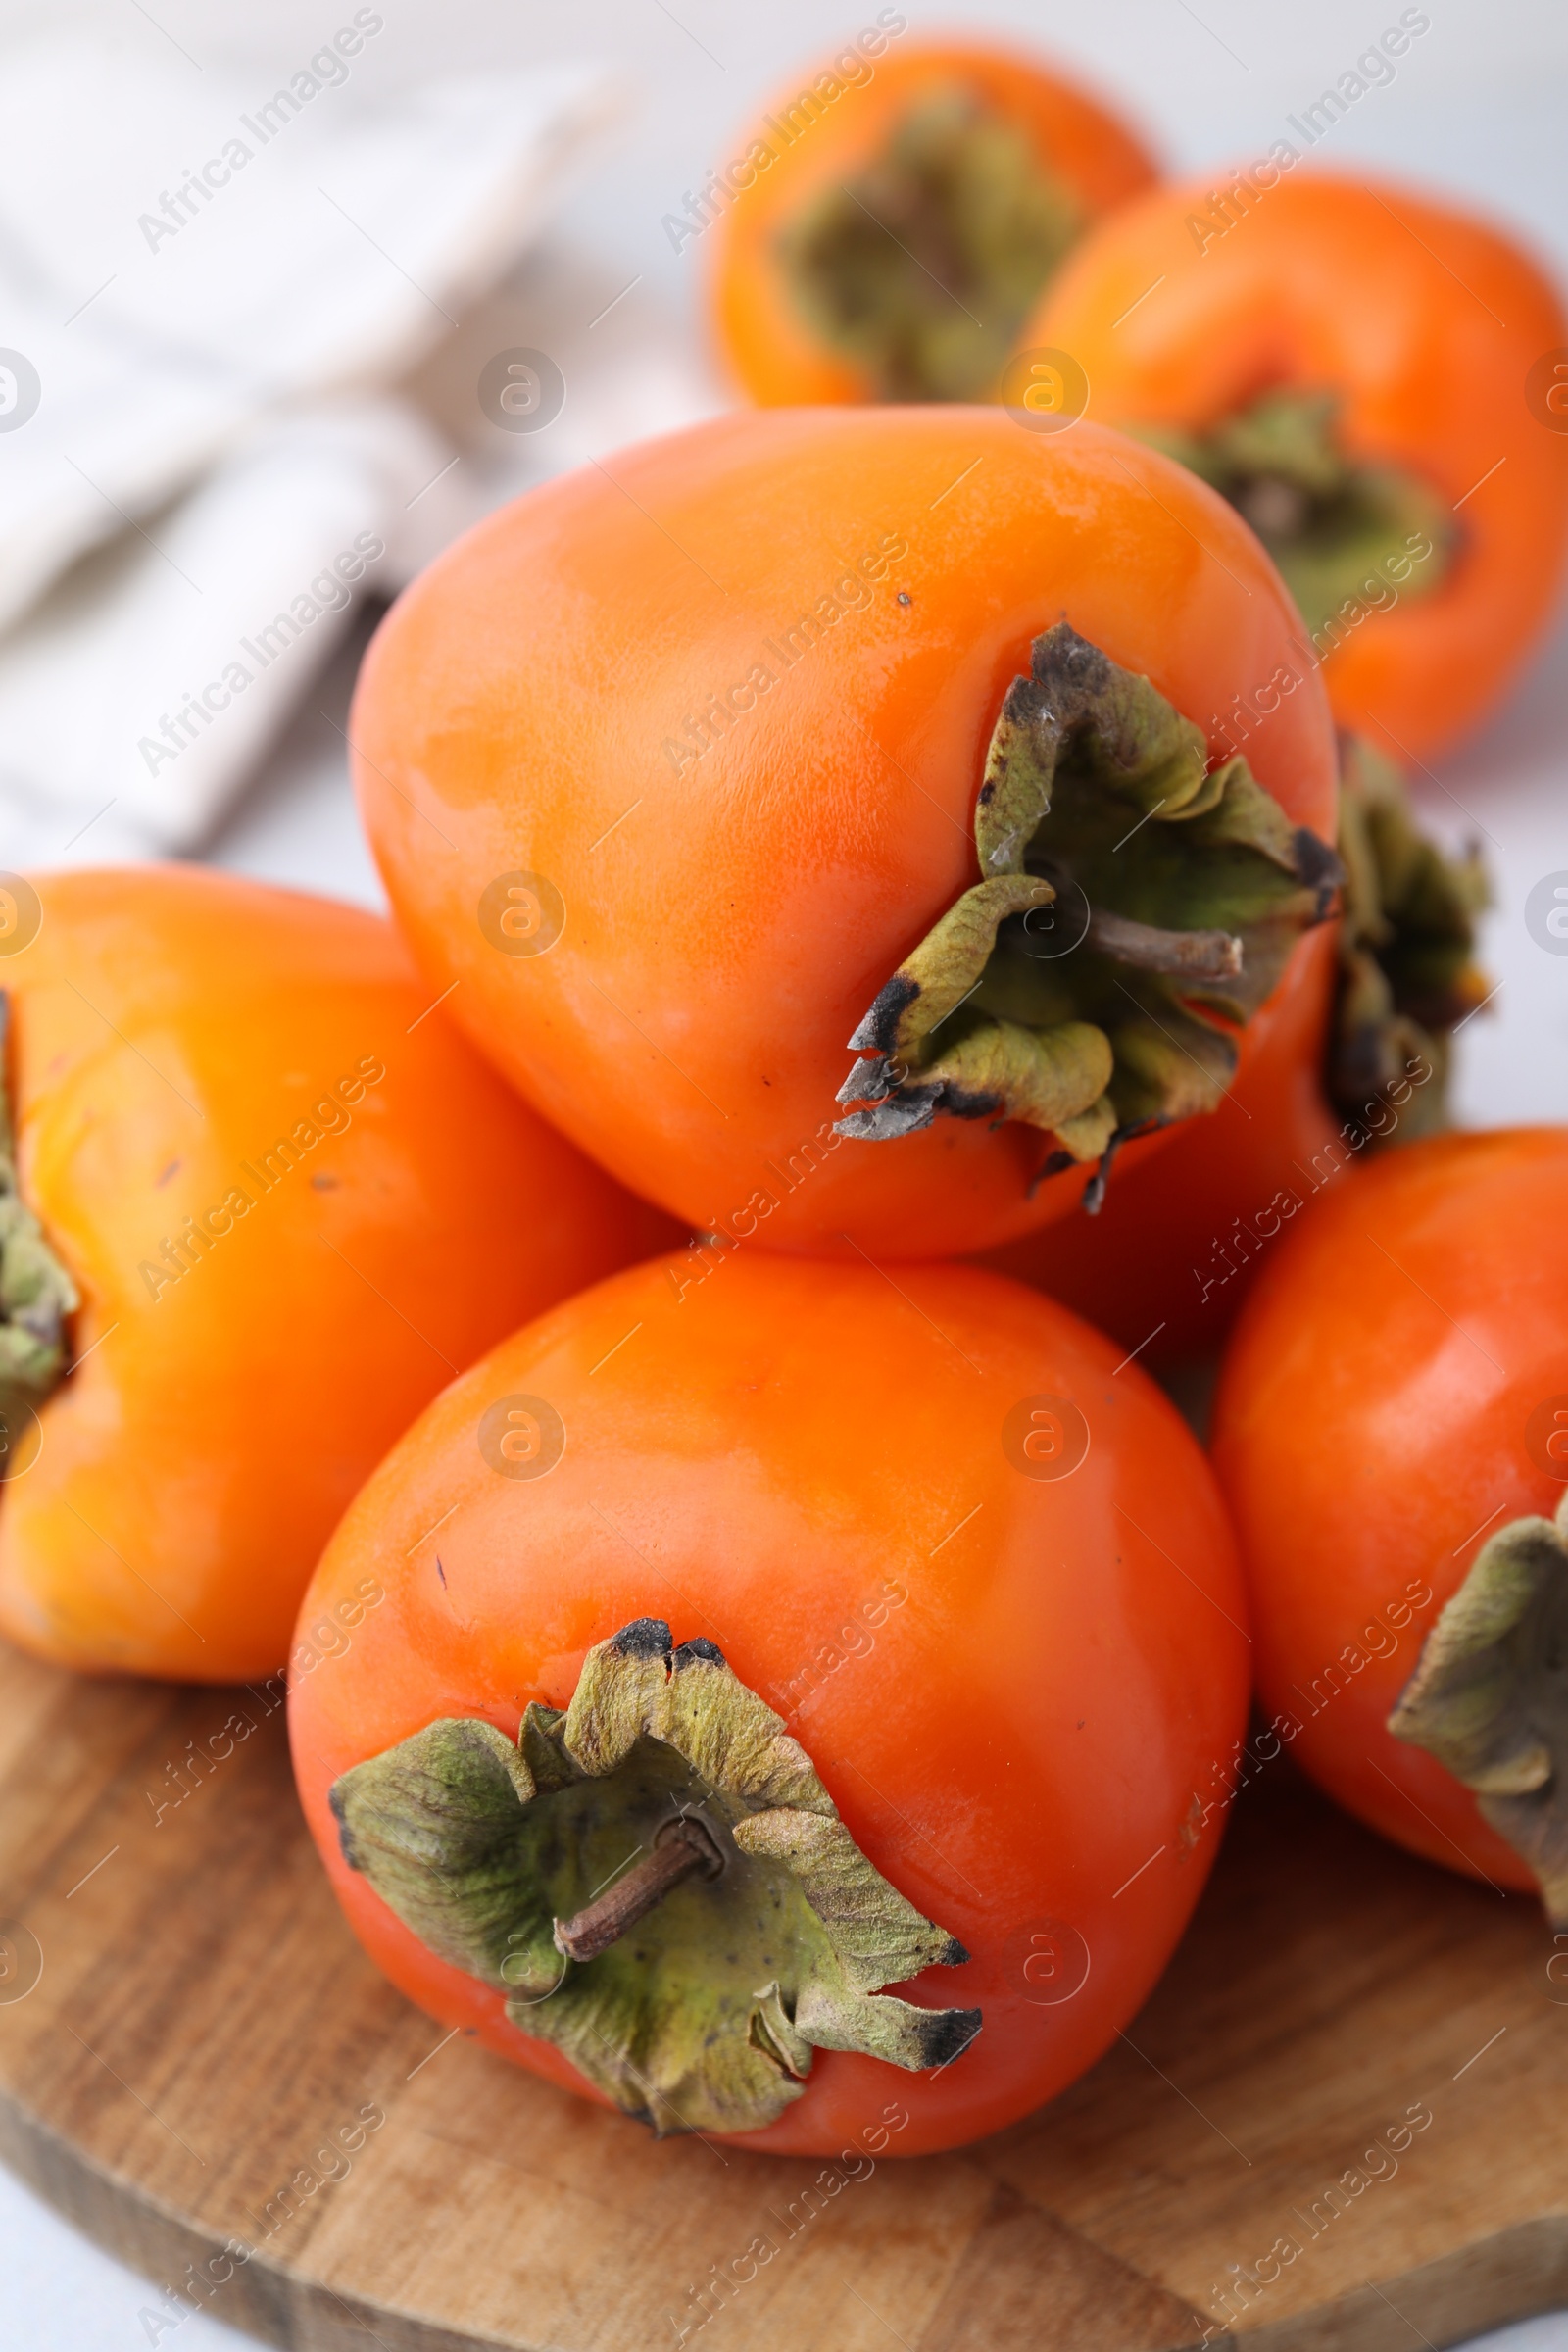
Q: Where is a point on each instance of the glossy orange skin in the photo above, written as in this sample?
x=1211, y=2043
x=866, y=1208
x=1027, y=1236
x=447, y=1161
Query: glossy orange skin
x=730, y=917
x=773, y=352
x=1428, y=323
x=1370, y=1434
x=1182, y=1235
x=169, y=1024
x=760, y=1456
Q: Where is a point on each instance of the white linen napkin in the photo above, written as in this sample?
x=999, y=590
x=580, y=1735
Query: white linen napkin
x=140, y=692
x=205, y=289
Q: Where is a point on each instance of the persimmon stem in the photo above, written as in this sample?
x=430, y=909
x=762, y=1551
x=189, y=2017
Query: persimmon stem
x=1189, y=955
x=680, y=1847
x=1193, y=955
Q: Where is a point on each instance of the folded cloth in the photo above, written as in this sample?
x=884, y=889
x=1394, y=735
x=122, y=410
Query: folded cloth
x=195, y=284
x=147, y=683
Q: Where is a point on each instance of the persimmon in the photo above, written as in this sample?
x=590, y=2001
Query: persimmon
x=1358, y=368
x=754, y=1645
x=846, y=741
x=896, y=215
x=263, y=1200
x=1391, y=1434
x=1347, y=1064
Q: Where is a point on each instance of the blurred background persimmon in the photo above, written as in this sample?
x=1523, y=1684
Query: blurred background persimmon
x=1348, y=362
x=900, y=212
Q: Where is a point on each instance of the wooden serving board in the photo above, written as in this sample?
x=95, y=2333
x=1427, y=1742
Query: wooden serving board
x=186, y=2027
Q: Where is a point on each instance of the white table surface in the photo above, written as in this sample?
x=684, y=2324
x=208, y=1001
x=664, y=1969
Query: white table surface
x=1479, y=108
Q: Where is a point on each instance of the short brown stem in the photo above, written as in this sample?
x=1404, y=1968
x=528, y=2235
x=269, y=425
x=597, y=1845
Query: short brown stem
x=1189, y=955
x=1273, y=506
x=680, y=1847
x=1193, y=955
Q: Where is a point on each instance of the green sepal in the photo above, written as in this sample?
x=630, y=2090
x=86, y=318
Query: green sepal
x=1406, y=970
x=1098, y=793
x=432, y=1824
x=1330, y=521
x=37, y=1294
x=1126, y=738
x=942, y=971
x=705, y=2015
x=1489, y=1698
x=1050, y=1078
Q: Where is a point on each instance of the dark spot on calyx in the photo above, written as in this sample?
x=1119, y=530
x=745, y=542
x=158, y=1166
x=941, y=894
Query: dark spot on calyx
x=880, y=1028
x=948, y=2035
x=955, y=1955
x=1319, y=868
x=963, y=1103
x=1061, y=658
x=1094, y=1196
x=698, y=1652
x=644, y=1638
x=1054, y=1164
x=345, y=1836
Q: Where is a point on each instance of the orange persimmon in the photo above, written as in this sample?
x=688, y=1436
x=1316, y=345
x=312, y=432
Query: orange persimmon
x=264, y=1201
x=1391, y=1432
x=894, y=216
x=1368, y=375
x=805, y=712
x=900, y=1643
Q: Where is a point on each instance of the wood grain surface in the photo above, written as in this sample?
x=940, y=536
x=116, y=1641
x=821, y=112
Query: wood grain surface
x=193, y=2051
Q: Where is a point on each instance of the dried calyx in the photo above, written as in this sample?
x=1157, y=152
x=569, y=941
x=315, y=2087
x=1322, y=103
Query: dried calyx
x=1336, y=525
x=1406, y=970
x=37, y=1294
x=922, y=270
x=660, y=1885
x=1489, y=1698
x=1134, y=909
